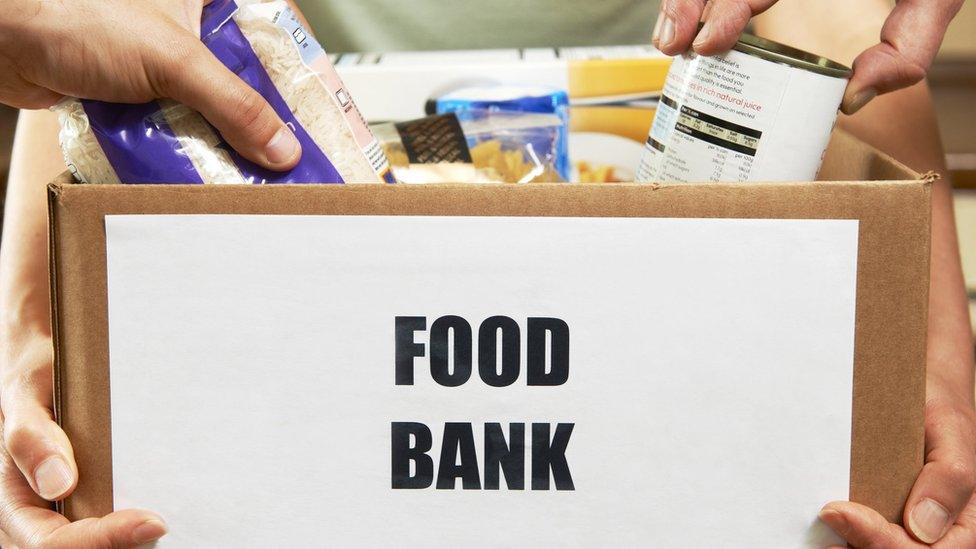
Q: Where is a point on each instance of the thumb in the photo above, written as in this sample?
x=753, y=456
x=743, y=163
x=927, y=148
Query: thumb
x=40, y=527
x=245, y=120
x=862, y=526
x=36, y=443
x=127, y=528
x=948, y=479
x=910, y=39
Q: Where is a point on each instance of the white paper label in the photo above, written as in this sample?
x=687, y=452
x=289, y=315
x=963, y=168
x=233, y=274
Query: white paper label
x=693, y=388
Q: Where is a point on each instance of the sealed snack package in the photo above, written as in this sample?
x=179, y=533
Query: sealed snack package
x=511, y=98
x=504, y=147
x=166, y=142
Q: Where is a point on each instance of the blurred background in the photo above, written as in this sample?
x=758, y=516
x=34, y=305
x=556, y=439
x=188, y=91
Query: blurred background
x=953, y=81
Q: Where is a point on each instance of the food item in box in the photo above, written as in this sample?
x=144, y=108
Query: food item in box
x=603, y=157
x=443, y=172
x=597, y=75
x=510, y=165
x=512, y=147
x=200, y=143
x=430, y=140
x=527, y=99
x=81, y=147
x=165, y=142
x=761, y=112
x=597, y=173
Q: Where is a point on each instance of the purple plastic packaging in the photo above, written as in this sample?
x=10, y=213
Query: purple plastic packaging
x=128, y=133
x=141, y=147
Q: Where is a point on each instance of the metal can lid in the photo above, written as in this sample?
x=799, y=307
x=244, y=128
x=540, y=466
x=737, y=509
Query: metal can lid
x=781, y=53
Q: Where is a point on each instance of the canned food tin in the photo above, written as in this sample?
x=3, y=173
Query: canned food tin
x=761, y=112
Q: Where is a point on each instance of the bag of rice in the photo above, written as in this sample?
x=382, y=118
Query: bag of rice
x=166, y=142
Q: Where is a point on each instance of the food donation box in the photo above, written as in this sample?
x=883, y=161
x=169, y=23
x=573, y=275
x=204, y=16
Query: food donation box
x=491, y=365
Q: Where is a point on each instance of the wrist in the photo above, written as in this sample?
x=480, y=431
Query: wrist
x=951, y=359
x=23, y=316
x=951, y=384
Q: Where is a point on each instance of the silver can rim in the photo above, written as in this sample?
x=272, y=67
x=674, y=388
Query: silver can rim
x=794, y=57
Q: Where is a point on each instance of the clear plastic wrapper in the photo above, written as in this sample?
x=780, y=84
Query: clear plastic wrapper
x=502, y=146
x=166, y=142
x=513, y=98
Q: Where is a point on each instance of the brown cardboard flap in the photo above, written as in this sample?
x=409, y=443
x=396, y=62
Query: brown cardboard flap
x=893, y=265
x=848, y=159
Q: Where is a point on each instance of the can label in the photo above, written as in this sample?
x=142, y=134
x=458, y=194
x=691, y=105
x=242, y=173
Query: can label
x=737, y=117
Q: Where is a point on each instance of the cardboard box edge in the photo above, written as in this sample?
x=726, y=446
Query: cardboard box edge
x=63, y=192
x=54, y=190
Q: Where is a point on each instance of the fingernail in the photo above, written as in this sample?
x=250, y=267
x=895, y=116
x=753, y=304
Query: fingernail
x=282, y=147
x=53, y=478
x=860, y=99
x=150, y=530
x=702, y=36
x=657, y=28
x=835, y=519
x=667, y=32
x=929, y=520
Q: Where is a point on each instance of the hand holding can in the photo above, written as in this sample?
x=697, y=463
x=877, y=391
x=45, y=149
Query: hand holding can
x=910, y=39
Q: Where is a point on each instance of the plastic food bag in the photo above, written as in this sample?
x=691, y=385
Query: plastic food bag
x=512, y=98
x=166, y=142
x=504, y=147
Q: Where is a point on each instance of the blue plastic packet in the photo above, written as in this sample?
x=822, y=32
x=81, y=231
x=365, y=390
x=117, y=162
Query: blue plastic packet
x=526, y=99
x=165, y=142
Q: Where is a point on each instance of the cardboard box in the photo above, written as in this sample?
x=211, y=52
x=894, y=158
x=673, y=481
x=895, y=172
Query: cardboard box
x=891, y=202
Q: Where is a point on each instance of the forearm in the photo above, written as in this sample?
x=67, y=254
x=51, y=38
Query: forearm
x=904, y=125
x=24, y=281
x=950, y=345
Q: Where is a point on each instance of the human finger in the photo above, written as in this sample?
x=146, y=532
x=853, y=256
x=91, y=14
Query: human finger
x=21, y=94
x=963, y=532
x=724, y=22
x=948, y=478
x=37, y=445
x=910, y=39
x=677, y=24
x=27, y=521
x=40, y=527
x=243, y=117
x=862, y=526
